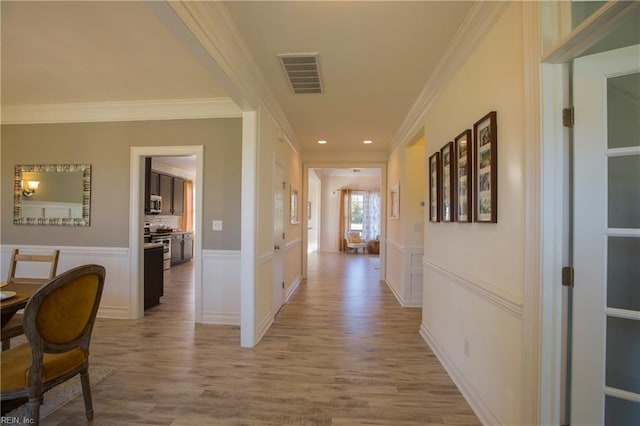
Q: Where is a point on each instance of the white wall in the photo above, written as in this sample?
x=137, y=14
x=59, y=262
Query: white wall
x=474, y=272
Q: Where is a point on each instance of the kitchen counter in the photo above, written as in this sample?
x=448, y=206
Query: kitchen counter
x=152, y=245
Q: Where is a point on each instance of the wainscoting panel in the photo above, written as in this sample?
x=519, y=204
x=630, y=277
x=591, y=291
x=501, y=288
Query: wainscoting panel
x=478, y=337
x=221, y=287
x=404, y=273
x=115, y=297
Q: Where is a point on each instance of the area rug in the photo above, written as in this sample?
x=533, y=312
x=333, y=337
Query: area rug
x=63, y=393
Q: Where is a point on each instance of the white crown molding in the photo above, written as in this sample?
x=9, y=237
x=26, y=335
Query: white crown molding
x=171, y=109
x=213, y=27
x=475, y=26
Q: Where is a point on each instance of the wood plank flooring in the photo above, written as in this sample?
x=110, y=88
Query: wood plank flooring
x=341, y=352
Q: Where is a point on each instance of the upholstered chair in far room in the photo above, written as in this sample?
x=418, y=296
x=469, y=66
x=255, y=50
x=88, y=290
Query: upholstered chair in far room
x=16, y=275
x=58, y=322
x=354, y=241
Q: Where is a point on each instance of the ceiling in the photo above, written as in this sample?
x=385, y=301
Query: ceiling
x=375, y=58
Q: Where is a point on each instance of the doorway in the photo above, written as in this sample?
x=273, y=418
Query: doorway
x=136, y=219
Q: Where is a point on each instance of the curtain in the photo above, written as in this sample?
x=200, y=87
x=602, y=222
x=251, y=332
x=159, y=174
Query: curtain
x=371, y=220
x=344, y=217
x=187, y=211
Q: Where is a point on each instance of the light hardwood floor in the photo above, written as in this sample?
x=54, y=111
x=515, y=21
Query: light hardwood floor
x=341, y=352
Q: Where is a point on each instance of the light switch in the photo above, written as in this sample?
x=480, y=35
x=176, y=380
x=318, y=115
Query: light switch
x=216, y=225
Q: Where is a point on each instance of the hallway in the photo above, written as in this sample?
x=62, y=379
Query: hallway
x=341, y=352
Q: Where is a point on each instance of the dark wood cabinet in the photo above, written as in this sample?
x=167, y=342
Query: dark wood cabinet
x=153, y=276
x=178, y=196
x=170, y=188
x=166, y=192
x=154, y=183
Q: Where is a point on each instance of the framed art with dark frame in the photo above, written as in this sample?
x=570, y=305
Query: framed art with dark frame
x=447, y=183
x=485, y=165
x=463, y=148
x=434, y=187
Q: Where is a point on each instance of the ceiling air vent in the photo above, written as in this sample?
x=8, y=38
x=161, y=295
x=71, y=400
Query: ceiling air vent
x=302, y=72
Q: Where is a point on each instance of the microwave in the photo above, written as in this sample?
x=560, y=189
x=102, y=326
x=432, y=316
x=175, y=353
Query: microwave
x=155, y=204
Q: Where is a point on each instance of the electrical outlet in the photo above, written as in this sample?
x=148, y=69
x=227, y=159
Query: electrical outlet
x=216, y=225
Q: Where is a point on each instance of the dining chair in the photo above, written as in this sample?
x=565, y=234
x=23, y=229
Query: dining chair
x=58, y=322
x=14, y=327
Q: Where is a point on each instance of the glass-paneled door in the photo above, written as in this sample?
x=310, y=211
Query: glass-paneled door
x=605, y=377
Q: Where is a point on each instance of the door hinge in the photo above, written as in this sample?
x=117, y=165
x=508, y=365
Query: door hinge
x=284, y=185
x=568, y=118
x=567, y=276
x=282, y=284
x=283, y=235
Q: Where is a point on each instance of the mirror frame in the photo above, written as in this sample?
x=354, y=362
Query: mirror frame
x=18, y=219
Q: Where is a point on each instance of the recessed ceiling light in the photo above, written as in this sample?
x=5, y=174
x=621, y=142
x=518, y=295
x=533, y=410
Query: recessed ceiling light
x=322, y=142
x=367, y=142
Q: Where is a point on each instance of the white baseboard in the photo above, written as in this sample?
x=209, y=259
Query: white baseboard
x=293, y=287
x=221, y=318
x=484, y=413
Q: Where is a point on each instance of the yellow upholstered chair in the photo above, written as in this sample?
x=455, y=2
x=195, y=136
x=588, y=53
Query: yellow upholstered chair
x=58, y=321
x=14, y=327
x=354, y=241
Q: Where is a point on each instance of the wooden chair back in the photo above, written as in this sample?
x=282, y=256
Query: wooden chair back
x=17, y=257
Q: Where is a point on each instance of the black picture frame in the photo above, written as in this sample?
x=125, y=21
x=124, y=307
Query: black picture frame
x=434, y=187
x=447, y=183
x=485, y=169
x=463, y=148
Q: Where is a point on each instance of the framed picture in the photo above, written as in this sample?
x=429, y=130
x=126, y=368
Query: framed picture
x=434, y=187
x=293, y=212
x=394, y=198
x=448, y=183
x=485, y=169
x=462, y=148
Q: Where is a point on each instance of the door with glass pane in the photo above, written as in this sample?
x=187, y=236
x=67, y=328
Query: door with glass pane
x=605, y=372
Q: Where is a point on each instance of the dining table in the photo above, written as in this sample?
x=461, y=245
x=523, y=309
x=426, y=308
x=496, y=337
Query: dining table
x=14, y=297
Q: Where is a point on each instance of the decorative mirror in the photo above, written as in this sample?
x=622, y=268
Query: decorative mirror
x=52, y=194
x=294, y=216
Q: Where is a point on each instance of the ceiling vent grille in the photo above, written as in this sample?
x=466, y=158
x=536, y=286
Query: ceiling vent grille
x=302, y=71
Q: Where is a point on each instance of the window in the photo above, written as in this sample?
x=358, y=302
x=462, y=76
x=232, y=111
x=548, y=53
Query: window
x=357, y=210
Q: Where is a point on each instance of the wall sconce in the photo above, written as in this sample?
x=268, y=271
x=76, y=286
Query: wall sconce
x=30, y=188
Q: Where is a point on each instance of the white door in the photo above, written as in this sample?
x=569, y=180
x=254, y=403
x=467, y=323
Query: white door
x=278, y=235
x=605, y=372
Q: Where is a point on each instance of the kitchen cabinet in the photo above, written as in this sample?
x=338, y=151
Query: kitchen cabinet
x=178, y=196
x=153, y=275
x=181, y=247
x=166, y=192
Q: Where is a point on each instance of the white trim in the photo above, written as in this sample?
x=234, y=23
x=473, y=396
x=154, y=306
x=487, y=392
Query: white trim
x=482, y=410
x=532, y=273
x=264, y=327
x=167, y=109
x=489, y=292
x=480, y=19
x=622, y=313
x=292, y=288
x=113, y=312
x=221, y=318
x=623, y=152
x=590, y=31
x=623, y=232
x=293, y=244
x=622, y=394
x=248, y=218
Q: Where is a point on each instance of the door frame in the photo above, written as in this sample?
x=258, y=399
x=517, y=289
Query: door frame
x=383, y=204
x=281, y=167
x=136, y=217
x=554, y=234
